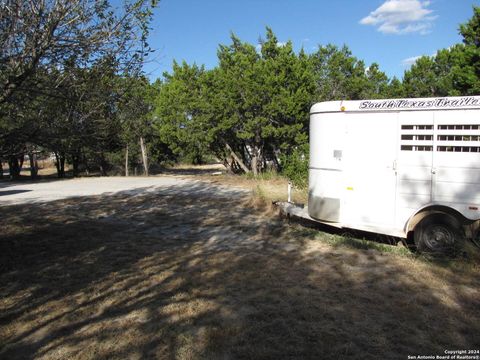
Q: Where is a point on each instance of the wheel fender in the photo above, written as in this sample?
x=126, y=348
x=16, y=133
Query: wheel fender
x=428, y=210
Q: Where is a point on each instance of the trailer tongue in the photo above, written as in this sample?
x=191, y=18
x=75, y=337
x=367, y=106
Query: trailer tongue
x=299, y=212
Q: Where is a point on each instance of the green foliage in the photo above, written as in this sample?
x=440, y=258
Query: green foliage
x=441, y=75
x=254, y=105
x=451, y=72
x=89, y=105
x=470, y=31
x=340, y=75
x=394, y=90
x=61, y=72
x=375, y=83
x=252, y=110
x=295, y=166
x=177, y=113
x=420, y=80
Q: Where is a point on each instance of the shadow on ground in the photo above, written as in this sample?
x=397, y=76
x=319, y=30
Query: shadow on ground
x=193, y=171
x=192, y=271
x=11, y=192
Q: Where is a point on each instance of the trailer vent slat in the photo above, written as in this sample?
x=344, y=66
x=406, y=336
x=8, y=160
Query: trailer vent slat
x=472, y=149
x=457, y=137
x=416, y=148
x=417, y=127
x=416, y=137
x=458, y=127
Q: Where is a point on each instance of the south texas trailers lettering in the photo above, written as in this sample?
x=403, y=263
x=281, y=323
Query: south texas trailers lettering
x=412, y=104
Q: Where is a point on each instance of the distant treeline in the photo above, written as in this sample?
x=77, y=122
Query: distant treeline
x=90, y=107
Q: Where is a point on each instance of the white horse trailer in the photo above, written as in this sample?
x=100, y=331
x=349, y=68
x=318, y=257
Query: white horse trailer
x=401, y=167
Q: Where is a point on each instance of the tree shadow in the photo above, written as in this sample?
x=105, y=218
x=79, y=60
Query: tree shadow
x=191, y=271
x=192, y=171
x=12, y=192
x=5, y=183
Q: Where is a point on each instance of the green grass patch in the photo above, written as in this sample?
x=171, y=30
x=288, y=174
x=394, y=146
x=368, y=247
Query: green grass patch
x=364, y=244
x=469, y=261
x=336, y=240
x=354, y=243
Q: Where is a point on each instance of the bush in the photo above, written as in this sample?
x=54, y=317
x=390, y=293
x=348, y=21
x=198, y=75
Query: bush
x=295, y=166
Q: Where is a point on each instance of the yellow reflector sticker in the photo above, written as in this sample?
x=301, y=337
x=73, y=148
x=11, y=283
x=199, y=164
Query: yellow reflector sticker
x=349, y=188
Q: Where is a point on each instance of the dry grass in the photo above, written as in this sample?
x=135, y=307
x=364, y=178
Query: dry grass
x=266, y=188
x=172, y=275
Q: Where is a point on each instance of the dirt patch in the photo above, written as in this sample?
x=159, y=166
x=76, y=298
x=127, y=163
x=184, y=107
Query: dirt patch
x=190, y=270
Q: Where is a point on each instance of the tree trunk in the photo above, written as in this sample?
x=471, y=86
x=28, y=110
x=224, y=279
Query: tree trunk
x=235, y=167
x=228, y=165
x=62, y=167
x=1, y=169
x=33, y=165
x=76, y=163
x=85, y=162
x=60, y=164
x=144, y=156
x=255, y=163
x=237, y=159
x=14, y=167
x=276, y=161
x=103, y=166
x=257, y=160
x=21, y=159
x=257, y=157
x=126, y=160
x=57, y=163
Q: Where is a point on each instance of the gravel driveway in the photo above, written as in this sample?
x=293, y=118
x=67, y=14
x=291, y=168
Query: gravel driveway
x=44, y=191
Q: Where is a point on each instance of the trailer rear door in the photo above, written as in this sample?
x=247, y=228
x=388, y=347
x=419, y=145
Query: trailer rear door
x=370, y=152
x=414, y=164
x=456, y=161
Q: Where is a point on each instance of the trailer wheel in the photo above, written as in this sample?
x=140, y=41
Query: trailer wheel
x=438, y=235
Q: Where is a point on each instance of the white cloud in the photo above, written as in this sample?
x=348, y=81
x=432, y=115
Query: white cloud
x=410, y=61
x=401, y=17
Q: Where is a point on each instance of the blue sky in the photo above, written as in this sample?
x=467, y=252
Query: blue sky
x=389, y=32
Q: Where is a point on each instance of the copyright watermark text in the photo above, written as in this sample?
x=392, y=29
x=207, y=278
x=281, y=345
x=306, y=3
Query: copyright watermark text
x=471, y=354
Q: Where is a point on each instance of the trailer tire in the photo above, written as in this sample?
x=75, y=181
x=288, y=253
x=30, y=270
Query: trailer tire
x=438, y=235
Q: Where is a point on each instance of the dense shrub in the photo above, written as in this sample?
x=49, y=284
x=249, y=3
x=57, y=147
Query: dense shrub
x=295, y=166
